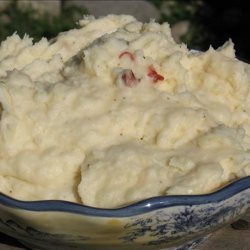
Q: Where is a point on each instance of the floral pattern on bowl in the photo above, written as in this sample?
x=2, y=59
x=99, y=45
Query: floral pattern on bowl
x=156, y=223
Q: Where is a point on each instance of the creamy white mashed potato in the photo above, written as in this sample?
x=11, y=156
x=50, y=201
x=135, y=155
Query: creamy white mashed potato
x=115, y=111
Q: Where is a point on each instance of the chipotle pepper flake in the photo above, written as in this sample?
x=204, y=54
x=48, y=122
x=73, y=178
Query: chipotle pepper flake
x=126, y=53
x=129, y=78
x=154, y=75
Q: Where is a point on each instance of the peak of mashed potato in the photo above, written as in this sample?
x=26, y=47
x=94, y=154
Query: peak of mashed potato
x=115, y=111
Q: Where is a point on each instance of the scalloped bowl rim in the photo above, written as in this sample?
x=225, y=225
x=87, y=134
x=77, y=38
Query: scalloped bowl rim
x=141, y=207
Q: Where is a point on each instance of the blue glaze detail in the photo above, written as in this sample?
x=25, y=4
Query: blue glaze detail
x=155, y=223
x=165, y=226
x=30, y=232
x=141, y=207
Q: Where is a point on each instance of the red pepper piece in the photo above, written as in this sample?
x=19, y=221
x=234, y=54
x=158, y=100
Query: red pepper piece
x=129, y=78
x=154, y=75
x=126, y=53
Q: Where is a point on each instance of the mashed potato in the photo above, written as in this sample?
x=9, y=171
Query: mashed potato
x=115, y=112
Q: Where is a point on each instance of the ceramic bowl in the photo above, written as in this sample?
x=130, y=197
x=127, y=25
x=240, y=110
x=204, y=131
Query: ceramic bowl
x=156, y=223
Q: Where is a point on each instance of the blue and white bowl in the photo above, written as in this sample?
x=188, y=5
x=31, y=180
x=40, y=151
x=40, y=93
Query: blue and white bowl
x=156, y=223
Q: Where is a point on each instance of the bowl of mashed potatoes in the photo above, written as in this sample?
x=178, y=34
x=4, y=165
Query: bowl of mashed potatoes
x=114, y=136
